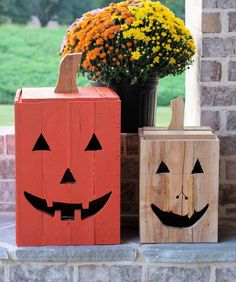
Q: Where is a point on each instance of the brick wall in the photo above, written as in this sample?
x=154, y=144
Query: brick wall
x=7, y=169
x=218, y=90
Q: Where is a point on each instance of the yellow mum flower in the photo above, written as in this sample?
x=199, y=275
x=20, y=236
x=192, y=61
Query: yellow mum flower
x=156, y=59
x=136, y=55
x=155, y=49
x=172, y=60
x=167, y=46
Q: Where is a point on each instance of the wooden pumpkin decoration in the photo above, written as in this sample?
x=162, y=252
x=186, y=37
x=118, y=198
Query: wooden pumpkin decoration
x=68, y=163
x=179, y=178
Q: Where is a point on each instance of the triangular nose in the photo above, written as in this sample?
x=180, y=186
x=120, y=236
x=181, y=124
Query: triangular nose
x=68, y=177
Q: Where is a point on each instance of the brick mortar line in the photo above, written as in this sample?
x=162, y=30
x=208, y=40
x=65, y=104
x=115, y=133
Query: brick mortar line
x=229, y=182
x=4, y=145
x=232, y=216
x=219, y=108
x=224, y=18
x=223, y=35
x=217, y=10
x=218, y=83
x=223, y=123
x=75, y=276
x=121, y=263
x=212, y=273
x=218, y=59
x=222, y=171
x=224, y=73
x=228, y=158
x=2, y=157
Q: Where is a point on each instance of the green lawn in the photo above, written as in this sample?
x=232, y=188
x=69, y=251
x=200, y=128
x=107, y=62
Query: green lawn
x=29, y=57
x=7, y=115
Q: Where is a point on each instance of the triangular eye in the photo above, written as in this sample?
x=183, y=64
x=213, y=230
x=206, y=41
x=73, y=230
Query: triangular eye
x=163, y=168
x=41, y=144
x=197, y=168
x=94, y=144
x=68, y=177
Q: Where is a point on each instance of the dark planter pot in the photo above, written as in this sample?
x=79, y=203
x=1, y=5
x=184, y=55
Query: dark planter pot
x=138, y=104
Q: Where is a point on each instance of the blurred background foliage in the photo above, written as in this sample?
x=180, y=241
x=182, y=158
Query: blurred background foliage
x=29, y=54
x=64, y=11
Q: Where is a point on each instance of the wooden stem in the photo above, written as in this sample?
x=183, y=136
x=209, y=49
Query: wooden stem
x=67, y=75
x=177, y=120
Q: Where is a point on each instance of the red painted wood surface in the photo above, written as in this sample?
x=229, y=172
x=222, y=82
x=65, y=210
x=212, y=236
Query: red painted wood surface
x=68, y=125
x=107, y=222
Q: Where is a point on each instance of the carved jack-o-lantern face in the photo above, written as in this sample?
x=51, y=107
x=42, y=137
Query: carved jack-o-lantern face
x=173, y=219
x=178, y=188
x=68, y=169
x=67, y=209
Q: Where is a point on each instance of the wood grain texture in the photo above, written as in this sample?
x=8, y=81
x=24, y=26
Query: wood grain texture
x=107, y=172
x=55, y=129
x=28, y=174
x=162, y=189
x=67, y=74
x=177, y=119
x=81, y=124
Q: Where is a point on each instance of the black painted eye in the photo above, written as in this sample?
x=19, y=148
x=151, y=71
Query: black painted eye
x=197, y=168
x=41, y=144
x=163, y=168
x=94, y=144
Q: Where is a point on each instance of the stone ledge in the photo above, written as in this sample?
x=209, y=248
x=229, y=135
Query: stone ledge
x=3, y=253
x=75, y=254
x=196, y=253
x=130, y=251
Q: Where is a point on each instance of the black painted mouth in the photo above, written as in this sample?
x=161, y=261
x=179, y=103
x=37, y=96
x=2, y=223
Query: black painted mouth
x=67, y=210
x=175, y=220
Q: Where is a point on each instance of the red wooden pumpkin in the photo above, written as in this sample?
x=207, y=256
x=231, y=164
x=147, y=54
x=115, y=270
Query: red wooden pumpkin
x=67, y=163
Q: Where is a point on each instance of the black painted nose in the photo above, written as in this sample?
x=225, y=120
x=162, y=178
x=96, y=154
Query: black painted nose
x=68, y=177
x=183, y=195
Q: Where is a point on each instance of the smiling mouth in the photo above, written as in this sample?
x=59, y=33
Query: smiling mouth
x=175, y=220
x=67, y=210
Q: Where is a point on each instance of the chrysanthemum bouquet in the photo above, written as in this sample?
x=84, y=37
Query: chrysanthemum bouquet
x=130, y=40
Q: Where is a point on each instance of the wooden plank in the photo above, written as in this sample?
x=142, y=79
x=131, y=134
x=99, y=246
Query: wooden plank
x=186, y=128
x=107, y=172
x=68, y=73
x=55, y=129
x=85, y=94
x=82, y=164
x=28, y=174
x=177, y=119
x=178, y=135
x=206, y=191
x=179, y=191
x=151, y=230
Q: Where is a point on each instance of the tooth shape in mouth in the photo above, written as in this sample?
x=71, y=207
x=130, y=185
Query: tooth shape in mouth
x=67, y=210
x=176, y=220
